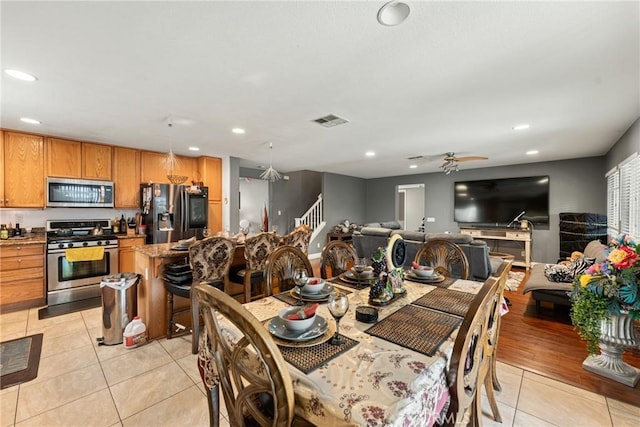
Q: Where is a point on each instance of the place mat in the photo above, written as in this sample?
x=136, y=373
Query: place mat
x=346, y=284
x=416, y=328
x=308, y=359
x=289, y=298
x=448, y=281
x=447, y=300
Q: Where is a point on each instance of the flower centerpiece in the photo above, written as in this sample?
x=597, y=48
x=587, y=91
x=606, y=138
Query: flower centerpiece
x=607, y=289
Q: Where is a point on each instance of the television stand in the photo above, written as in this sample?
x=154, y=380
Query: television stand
x=522, y=259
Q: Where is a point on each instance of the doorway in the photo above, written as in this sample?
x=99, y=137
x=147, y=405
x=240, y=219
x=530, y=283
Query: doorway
x=410, y=206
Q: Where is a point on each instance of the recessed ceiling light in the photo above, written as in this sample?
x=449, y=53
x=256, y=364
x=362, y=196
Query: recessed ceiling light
x=20, y=75
x=413, y=166
x=532, y=152
x=370, y=153
x=194, y=149
x=393, y=13
x=523, y=126
x=30, y=121
x=238, y=131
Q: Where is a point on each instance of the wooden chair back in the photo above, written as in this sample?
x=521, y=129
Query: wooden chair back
x=467, y=366
x=210, y=260
x=445, y=257
x=256, y=251
x=299, y=238
x=279, y=268
x=337, y=257
x=251, y=373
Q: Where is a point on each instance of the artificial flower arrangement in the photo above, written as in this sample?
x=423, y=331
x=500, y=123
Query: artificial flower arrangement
x=607, y=289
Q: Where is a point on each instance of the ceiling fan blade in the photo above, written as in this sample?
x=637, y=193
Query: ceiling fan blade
x=468, y=158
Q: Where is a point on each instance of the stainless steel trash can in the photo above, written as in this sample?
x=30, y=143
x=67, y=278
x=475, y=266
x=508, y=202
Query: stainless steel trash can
x=119, y=305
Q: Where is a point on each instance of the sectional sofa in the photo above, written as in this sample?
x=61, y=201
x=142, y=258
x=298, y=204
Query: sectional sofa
x=374, y=235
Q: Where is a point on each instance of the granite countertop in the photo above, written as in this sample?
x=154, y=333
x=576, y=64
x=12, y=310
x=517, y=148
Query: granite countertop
x=160, y=250
x=28, y=239
x=129, y=236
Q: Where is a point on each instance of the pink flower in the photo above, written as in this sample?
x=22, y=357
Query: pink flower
x=623, y=257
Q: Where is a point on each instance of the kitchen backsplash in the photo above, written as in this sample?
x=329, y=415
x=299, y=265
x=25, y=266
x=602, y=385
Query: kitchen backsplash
x=38, y=217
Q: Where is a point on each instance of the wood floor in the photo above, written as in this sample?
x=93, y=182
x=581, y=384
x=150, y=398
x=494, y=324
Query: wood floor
x=546, y=344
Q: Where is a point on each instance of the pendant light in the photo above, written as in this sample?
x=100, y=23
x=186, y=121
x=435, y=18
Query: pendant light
x=270, y=174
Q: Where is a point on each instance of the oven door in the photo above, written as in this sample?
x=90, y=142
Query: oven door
x=62, y=274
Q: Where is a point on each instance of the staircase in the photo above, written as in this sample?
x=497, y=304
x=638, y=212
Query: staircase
x=313, y=218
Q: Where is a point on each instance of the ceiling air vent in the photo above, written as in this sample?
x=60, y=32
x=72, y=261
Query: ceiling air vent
x=330, y=121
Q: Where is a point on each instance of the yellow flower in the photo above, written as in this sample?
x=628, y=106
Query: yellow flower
x=585, y=279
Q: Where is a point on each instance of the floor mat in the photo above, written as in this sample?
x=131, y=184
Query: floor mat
x=19, y=360
x=69, y=307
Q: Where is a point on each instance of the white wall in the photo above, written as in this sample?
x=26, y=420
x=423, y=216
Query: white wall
x=254, y=195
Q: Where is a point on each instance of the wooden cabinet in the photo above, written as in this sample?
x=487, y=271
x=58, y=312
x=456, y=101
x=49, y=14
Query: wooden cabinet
x=126, y=256
x=215, y=217
x=22, y=283
x=1, y=169
x=126, y=177
x=210, y=171
x=96, y=161
x=154, y=170
x=64, y=158
x=74, y=159
x=23, y=170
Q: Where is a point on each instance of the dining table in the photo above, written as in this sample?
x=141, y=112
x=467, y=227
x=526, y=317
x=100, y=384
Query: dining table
x=389, y=373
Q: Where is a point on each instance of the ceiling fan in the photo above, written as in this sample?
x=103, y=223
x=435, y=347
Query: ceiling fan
x=450, y=161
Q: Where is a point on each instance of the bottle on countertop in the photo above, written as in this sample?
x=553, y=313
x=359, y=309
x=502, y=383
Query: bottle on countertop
x=116, y=226
x=123, y=224
x=18, y=231
x=4, y=232
x=11, y=231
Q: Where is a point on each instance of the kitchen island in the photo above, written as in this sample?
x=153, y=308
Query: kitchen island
x=150, y=262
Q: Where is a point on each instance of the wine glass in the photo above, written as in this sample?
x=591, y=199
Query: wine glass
x=338, y=305
x=300, y=279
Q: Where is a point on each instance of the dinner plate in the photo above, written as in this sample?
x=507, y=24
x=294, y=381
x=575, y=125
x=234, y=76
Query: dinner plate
x=180, y=248
x=318, y=327
x=366, y=275
x=435, y=278
x=324, y=292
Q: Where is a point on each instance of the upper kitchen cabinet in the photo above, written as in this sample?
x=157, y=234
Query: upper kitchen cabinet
x=64, y=158
x=126, y=177
x=96, y=161
x=23, y=170
x=210, y=170
x=74, y=159
x=154, y=170
x=1, y=169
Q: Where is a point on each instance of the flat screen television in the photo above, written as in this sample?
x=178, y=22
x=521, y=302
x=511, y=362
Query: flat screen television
x=496, y=202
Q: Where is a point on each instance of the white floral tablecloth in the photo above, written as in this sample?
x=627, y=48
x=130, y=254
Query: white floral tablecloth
x=376, y=383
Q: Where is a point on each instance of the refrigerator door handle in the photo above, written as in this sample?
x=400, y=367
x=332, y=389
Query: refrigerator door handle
x=185, y=210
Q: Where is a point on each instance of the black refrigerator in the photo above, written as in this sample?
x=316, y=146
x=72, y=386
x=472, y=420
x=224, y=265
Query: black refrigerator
x=173, y=212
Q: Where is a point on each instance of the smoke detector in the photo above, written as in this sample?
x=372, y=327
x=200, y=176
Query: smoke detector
x=330, y=120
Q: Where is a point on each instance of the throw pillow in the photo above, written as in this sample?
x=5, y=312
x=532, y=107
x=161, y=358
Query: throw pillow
x=558, y=273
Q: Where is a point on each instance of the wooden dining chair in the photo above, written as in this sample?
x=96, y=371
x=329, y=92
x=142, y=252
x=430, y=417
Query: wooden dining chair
x=468, y=368
x=279, y=268
x=337, y=257
x=491, y=382
x=249, y=371
x=445, y=257
x=256, y=251
x=210, y=260
x=299, y=238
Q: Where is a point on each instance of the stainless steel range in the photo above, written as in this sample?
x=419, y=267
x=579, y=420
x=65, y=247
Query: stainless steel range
x=79, y=253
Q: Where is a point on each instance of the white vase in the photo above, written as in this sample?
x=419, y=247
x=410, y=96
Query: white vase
x=617, y=332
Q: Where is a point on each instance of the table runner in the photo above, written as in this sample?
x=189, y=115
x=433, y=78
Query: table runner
x=417, y=328
x=447, y=300
x=309, y=358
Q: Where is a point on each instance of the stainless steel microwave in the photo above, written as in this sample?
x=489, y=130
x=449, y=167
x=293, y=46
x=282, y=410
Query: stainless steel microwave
x=79, y=193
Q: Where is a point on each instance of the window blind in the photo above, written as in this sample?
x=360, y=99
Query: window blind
x=630, y=196
x=613, y=202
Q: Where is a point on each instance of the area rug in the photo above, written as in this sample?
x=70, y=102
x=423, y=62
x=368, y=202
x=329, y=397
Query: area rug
x=513, y=280
x=19, y=360
x=69, y=307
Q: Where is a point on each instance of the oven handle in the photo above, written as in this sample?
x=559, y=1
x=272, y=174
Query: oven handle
x=62, y=251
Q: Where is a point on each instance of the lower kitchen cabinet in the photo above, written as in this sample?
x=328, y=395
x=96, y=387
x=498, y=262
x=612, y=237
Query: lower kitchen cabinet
x=126, y=259
x=22, y=280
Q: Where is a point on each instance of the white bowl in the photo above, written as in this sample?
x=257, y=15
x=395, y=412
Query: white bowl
x=423, y=271
x=314, y=285
x=296, y=325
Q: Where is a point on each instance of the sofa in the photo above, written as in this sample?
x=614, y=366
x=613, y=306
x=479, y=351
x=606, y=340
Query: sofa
x=374, y=235
x=543, y=289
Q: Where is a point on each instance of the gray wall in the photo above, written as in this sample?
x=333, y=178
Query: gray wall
x=628, y=144
x=575, y=186
x=292, y=198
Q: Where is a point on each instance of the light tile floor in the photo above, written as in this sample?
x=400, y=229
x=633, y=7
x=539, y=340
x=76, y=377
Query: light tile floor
x=82, y=384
